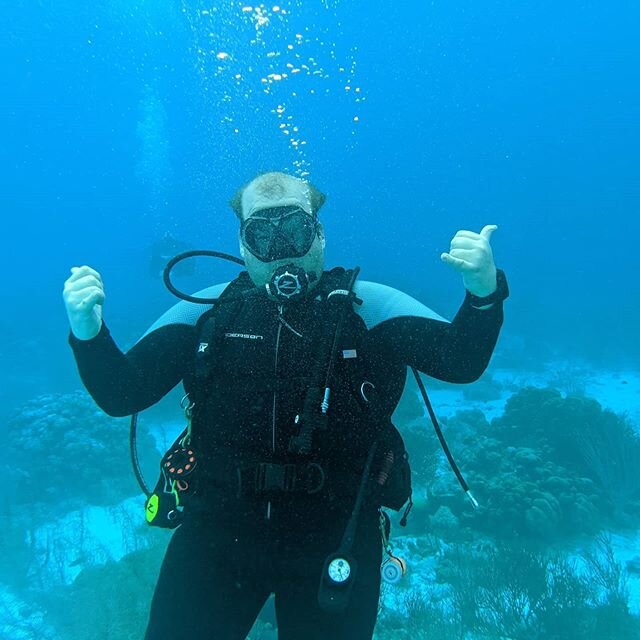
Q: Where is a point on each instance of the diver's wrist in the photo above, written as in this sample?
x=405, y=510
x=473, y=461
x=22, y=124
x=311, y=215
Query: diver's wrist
x=500, y=293
x=85, y=331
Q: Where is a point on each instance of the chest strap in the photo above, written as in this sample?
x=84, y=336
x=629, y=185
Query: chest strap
x=266, y=477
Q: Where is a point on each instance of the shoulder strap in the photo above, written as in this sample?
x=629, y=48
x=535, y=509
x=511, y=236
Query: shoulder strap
x=217, y=315
x=336, y=293
x=337, y=279
x=340, y=299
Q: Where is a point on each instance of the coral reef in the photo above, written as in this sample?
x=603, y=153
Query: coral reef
x=550, y=466
x=548, y=471
x=576, y=433
x=61, y=451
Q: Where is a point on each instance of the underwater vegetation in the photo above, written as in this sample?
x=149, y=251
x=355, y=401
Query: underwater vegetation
x=550, y=468
x=511, y=591
x=550, y=474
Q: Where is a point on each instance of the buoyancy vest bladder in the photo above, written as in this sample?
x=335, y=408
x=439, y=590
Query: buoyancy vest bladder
x=388, y=462
x=288, y=398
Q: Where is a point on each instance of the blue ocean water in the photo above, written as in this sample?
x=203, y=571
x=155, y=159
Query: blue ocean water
x=113, y=131
x=121, y=121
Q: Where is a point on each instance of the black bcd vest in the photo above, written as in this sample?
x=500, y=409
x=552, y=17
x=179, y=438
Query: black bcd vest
x=260, y=376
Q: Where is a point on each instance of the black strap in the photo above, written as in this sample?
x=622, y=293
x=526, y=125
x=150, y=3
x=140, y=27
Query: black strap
x=339, y=296
x=219, y=315
x=267, y=477
x=346, y=297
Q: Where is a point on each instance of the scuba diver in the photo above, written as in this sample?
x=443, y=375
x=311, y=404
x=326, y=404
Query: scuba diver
x=291, y=374
x=162, y=250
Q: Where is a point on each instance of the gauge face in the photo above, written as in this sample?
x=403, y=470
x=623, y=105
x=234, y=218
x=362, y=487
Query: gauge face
x=339, y=570
x=392, y=572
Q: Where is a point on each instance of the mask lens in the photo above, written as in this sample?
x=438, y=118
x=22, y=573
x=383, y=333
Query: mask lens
x=257, y=237
x=299, y=229
x=281, y=232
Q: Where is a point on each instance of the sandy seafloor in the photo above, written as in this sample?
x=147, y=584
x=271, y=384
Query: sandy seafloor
x=108, y=531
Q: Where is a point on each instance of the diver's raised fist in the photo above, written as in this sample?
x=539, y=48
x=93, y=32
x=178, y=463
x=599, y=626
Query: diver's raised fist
x=83, y=297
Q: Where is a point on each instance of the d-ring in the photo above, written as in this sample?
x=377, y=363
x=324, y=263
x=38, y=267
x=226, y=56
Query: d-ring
x=366, y=385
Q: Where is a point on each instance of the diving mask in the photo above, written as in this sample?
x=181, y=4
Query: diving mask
x=279, y=232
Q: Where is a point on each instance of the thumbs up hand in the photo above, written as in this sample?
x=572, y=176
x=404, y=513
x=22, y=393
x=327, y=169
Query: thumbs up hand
x=471, y=255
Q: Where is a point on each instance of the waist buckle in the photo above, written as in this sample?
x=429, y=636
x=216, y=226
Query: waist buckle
x=288, y=478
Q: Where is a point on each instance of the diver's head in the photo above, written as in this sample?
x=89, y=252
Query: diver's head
x=279, y=228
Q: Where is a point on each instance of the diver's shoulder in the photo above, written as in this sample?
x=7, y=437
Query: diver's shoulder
x=188, y=313
x=381, y=302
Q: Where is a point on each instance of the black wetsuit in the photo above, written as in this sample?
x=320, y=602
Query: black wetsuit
x=225, y=560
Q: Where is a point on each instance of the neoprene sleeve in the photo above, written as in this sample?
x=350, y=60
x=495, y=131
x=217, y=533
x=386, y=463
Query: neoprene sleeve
x=122, y=384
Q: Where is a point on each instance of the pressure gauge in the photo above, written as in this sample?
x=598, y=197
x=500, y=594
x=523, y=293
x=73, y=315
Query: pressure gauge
x=339, y=570
x=338, y=575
